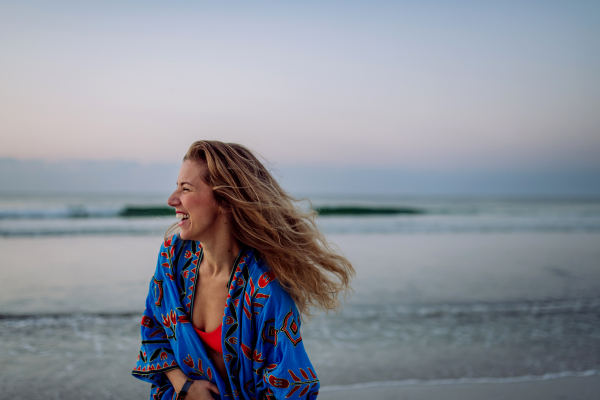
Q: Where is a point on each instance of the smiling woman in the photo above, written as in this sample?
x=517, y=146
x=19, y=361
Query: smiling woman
x=195, y=205
x=224, y=309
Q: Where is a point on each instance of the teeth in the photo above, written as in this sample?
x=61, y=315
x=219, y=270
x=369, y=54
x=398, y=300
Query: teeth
x=182, y=216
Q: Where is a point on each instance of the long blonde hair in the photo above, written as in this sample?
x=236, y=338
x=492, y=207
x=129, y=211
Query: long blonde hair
x=267, y=218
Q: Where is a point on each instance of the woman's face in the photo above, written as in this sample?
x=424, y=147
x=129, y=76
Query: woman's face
x=194, y=203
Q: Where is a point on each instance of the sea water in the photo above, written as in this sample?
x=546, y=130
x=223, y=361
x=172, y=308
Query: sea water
x=471, y=288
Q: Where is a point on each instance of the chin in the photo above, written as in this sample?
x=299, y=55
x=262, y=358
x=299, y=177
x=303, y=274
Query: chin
x=187, y=235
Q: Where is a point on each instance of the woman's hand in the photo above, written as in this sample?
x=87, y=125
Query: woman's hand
x=200, y=390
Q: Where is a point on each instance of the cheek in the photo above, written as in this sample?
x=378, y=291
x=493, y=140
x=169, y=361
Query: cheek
x=202, y=208
x=192, y=205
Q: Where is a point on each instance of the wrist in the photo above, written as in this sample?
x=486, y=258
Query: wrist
x=178, y=384
x=184, y=389
x=177, y=378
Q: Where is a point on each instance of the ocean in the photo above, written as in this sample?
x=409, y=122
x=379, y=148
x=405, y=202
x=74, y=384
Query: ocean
x=448, y=289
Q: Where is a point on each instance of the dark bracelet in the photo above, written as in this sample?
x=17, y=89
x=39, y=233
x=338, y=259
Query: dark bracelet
x=184, y=389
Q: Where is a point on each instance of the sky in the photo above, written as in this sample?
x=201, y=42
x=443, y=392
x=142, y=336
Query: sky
x=401, y=86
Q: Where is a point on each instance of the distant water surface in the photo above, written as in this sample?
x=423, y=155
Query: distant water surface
x=105, y=214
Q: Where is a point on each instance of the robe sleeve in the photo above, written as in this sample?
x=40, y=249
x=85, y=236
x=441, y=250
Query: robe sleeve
x=287, y=371
x=156, y=354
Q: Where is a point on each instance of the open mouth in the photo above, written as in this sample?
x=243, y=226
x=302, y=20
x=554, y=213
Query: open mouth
x=183, y=217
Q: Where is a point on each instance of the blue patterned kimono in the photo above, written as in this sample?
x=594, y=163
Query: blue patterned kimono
x=262, y=347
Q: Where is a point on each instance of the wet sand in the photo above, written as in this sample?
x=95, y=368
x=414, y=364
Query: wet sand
x=571, y=388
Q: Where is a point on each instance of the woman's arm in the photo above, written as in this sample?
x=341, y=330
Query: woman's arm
x=156, y=355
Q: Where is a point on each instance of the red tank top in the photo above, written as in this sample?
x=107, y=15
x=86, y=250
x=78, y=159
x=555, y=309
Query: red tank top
x=212, y=339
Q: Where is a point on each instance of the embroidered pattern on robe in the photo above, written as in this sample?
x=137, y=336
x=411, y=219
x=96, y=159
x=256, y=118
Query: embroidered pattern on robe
x=262, y=347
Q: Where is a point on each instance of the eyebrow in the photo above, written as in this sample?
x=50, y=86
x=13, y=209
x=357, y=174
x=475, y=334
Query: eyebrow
x=183, y=183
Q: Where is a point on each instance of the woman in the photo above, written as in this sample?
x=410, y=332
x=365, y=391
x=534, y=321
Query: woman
x=222, y=316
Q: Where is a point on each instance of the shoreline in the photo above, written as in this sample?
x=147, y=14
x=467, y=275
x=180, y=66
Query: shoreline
x=559, y=386
x=458, y=381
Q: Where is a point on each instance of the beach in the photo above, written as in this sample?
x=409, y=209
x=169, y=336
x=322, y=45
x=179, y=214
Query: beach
x=448, y=151
x=572, y=388
x=497, y=304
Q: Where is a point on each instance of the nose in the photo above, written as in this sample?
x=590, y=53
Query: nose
x=173, y=200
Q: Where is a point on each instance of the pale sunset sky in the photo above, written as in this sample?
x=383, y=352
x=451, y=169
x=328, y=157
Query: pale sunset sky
x=428, y=86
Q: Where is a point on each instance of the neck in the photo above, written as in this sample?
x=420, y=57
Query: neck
x=220, y=251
